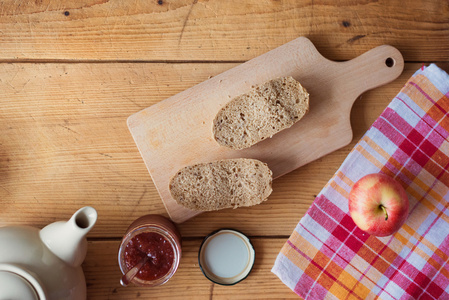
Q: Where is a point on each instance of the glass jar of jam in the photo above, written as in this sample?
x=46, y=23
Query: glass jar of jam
x=154, y=237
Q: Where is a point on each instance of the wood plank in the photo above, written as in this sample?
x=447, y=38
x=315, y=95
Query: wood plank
x=103, y=275
x=218, y=30
x=65, y=144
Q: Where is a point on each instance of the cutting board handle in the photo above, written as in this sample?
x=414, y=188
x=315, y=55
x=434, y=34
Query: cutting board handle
x=372, y=69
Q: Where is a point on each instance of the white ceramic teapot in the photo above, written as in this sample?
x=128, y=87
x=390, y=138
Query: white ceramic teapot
x=45, y=264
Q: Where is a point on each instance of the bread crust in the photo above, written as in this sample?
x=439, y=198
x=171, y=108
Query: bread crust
x=222, y=184
x=259, y=114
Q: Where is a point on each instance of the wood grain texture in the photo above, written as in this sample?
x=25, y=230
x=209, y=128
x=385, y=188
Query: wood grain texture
x=177, y=132
x=71, y=72
x=197, y=30
x=103, y=275
x=64, y=144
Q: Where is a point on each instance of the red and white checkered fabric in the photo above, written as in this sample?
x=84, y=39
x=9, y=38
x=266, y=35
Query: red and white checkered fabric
x=329, y=257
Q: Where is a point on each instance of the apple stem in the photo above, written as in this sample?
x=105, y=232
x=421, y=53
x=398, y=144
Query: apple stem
x=385, y=211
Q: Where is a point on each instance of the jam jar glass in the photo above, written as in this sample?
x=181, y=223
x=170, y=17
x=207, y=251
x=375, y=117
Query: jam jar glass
x=151, y=226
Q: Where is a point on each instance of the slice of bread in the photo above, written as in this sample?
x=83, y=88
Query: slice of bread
x=260, y=113
x=222, y=184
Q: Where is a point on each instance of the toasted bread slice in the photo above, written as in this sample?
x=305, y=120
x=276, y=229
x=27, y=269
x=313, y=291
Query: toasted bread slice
x=260, y=113
x=222, y=184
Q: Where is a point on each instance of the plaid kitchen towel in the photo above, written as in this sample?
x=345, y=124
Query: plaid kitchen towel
x=328, y=257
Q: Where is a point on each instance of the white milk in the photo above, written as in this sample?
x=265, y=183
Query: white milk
x=226, y=255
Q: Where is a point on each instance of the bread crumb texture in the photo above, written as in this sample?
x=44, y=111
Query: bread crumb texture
x=259, y=114
x=222, y=184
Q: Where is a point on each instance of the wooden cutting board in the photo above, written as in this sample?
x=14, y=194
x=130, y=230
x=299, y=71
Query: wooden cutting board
x=178, y=131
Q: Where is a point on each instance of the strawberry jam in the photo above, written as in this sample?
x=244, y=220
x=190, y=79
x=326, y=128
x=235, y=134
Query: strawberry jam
x=157, y=248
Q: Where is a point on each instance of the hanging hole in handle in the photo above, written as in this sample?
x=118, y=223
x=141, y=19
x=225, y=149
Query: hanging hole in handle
x=389, y=62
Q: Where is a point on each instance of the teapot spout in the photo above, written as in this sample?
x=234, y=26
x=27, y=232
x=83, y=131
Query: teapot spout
x=66, y=239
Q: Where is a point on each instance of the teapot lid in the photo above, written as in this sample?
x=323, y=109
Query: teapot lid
x=14, y=286
x=18, y=283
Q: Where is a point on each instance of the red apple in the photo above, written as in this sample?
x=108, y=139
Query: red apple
x=378, y=204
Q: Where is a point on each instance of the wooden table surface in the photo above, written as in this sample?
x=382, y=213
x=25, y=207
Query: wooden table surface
x=71, y=72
